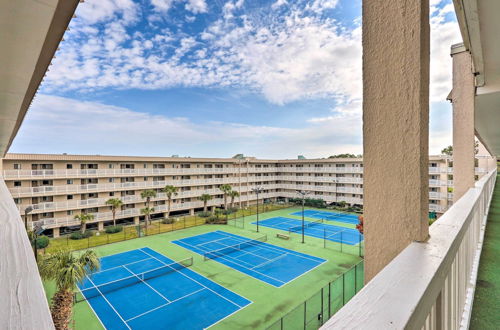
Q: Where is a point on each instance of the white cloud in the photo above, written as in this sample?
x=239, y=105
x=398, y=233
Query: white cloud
x=56, y=125
x=197, y=6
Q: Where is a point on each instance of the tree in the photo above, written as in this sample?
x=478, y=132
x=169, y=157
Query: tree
x=115, y=203
x=84, y=218
x=169, y=191
x=359, y=226
x=346, y=156
x=148, y=194
x=205, y=198
x=66, y=269
x=447, y=151
x=226, y=189
x=233, y=194
x=147, y=213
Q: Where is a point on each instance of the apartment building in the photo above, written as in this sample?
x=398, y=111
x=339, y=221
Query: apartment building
x=57, y=187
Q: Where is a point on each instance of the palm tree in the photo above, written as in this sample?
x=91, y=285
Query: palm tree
x=147, y=213
x=169, y=191
x=66, y=269
x=233, y=194
x=205, y=198
x=115, y=203
x=226, y=189
x=148, y=194
x=84, y=217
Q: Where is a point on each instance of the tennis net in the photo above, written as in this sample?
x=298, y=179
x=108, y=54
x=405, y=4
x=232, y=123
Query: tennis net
x=101, y=289
x=308, y=224
x=233, y=248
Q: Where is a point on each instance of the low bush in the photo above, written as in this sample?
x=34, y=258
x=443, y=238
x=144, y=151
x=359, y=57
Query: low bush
x=203, y=214
x=78, y=235
x=42, y=242
x=167, y=221
x=113, y=229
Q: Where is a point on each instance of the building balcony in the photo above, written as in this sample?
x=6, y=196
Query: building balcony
x=429, y=285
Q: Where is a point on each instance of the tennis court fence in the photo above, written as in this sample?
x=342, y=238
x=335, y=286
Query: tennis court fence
x=233, y=248
x=98, y=290
x=345, y=241
x=315, y=311
x=158, y=226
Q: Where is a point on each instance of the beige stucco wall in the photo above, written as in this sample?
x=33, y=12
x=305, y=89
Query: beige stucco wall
x=395, y=127
x=463, y=123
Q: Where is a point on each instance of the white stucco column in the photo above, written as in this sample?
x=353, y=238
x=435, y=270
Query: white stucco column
x=395, y=127
x=56, y=232
x=100, y=226
x=463, y=121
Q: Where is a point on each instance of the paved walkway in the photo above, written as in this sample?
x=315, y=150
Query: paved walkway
x=486, y=307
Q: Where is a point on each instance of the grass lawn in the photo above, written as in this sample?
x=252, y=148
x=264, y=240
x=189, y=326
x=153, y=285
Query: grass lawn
x=485, y=311
x=269, y=303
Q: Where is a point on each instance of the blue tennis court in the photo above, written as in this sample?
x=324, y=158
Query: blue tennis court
x=269, y=263
x=331, y=216
x=143, y=289
x=314, y=229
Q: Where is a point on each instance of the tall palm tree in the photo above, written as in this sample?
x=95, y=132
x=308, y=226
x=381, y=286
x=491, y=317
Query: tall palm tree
x=169, y=191
x=66, y=269
x=148, y=194
x=205, y=198
x=147, y=212
x=84, y=218
x=226, y=189
x=115, y=203
x=233, y=194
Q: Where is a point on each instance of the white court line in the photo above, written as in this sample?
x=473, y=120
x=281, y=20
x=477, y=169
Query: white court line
x=233, y=261
x=131, y=272
x=212, y=241
x=110, y=305
x=170, y=302
x=270, y=260
x=130, y=263
x=192, y=279
x=270, y=246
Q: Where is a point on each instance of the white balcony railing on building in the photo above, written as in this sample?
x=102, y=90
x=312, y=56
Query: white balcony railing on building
x=106, y=216
x=428, y=285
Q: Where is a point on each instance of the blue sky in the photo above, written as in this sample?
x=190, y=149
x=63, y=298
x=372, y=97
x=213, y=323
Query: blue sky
x=199, y=78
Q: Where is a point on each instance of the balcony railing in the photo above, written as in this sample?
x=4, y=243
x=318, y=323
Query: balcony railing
x=428, y=285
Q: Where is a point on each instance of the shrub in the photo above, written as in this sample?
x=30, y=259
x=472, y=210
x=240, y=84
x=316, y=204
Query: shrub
x=78, y=235
x=204, y=214
x=113, y=229
x=42, y=242
x=167, y=221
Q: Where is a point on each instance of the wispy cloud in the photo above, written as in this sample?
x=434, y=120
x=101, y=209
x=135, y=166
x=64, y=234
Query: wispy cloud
x=106, y=129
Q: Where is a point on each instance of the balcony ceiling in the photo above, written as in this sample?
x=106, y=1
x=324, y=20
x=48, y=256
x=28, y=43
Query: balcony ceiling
x=30, y=32
x=480, y=28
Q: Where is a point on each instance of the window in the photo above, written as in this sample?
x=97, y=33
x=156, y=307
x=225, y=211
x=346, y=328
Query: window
x=111, y=166
x=17, y=200
x=111, y=179
x=111, y=194
x=69, y=166
x=69, y=197
x=145, y=165
x=46, y=182
x=17, y=183
x=69, y=181
x=17, y=166
x=69, y=212
x=145, y=178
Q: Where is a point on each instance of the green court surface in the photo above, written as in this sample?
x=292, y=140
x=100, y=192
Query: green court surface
x=269, y=303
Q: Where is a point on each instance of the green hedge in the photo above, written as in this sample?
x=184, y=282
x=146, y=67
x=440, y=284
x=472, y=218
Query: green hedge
x=42, y=242
x=113, y=229
x=78, y=235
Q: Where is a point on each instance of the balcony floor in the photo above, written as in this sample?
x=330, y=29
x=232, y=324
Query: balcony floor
x=485, y=312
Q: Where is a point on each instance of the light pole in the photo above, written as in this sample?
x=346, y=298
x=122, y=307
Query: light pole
x=257, y=191
x=26, y=211
x=303, y=194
